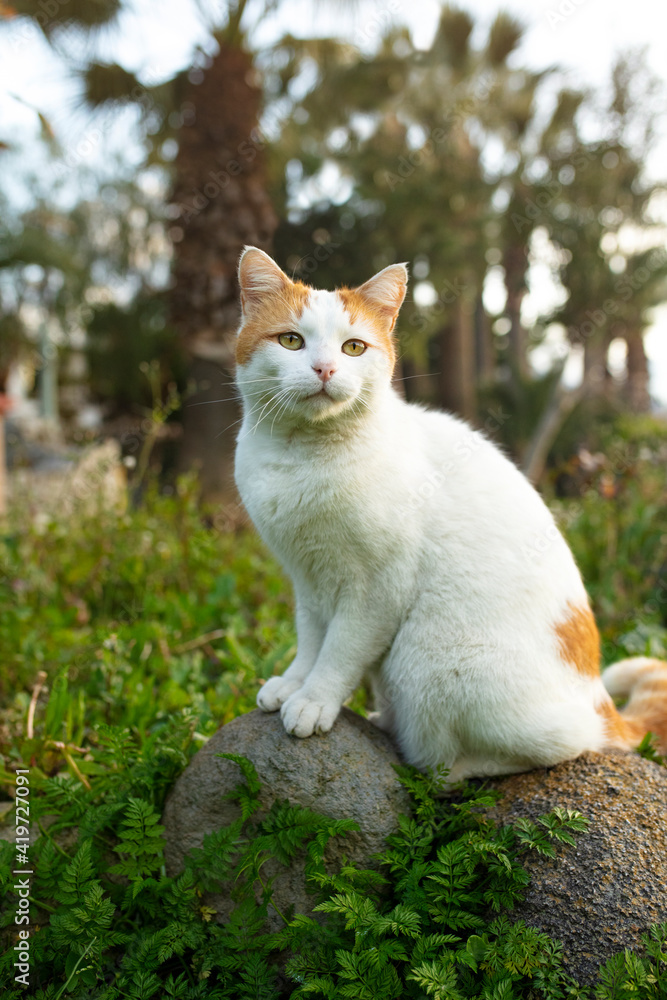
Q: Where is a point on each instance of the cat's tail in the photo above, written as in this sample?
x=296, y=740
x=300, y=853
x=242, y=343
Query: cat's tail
x=643, y=682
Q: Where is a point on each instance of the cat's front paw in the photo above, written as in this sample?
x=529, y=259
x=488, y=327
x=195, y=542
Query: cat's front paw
x=303, y=716
x=275, y=692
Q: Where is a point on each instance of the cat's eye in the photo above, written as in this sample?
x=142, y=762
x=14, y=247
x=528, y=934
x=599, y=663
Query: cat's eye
x=292, y=341
x=354, y=348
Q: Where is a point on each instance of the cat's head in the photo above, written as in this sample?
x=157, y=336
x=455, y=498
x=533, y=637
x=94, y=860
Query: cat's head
x=308, y=355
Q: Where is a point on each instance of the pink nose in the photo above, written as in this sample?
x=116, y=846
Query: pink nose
x=325, y=370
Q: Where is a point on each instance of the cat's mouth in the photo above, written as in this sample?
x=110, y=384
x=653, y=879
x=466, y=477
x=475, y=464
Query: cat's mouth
x=324, y=402
x=320, y=393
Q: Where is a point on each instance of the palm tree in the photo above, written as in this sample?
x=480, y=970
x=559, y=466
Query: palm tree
x=218, y=201
x=220, y=205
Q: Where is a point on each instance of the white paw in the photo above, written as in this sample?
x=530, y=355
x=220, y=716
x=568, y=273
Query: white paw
x=302, y=717
x=276, y=691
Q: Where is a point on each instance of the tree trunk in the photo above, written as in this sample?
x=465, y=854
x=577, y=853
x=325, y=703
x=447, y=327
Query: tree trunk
x=515, y=262
x=456, y=363
x=221, y=205
x=485, y=362
x=595, y=363
x=637, y=391
x=557, y=410
x=3, y=467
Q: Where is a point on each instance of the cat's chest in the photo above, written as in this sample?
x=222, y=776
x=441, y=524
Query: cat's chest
x=318, y=509
x=289, y=493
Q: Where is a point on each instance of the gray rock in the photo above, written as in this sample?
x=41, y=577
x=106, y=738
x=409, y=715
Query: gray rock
x=600, y=896
x=597, y=898
x=345, y=774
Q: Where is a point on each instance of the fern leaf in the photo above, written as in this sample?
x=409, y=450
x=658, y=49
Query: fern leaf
x=247, y=795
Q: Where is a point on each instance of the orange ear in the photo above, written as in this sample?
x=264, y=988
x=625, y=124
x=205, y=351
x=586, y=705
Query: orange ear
x=259, y=276
x=385, y=291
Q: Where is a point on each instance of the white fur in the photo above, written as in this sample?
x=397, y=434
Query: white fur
x=420, y=557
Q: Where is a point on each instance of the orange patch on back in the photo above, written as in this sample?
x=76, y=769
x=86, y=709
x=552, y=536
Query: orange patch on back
x=579, y=640
x=359, y=308
x=275, y=313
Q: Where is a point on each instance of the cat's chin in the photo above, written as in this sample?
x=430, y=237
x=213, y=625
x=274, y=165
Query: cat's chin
x=321, y=406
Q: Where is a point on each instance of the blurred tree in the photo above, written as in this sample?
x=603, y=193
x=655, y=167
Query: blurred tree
x=123, y=339
x=411, y=132
x=600, y=220
x=62, y=271
x=447, y=158
x=222, y=205
x=395, y=128
x=218, y=199
x=44, y=273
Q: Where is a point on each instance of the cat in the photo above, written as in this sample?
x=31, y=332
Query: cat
x=421, y=557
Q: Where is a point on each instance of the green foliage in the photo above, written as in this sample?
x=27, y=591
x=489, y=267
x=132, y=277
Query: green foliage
x=126, y=929
x=134, y=617
x=428, y=925
x=615, y=520
x=144, y=656
x=647, y=750
x=558, y=825
x=120, y=341
x=421, y=925
x=629, y=976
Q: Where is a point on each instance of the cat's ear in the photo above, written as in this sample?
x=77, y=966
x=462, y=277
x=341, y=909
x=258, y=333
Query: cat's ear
x=385, y=292
x=259, y=276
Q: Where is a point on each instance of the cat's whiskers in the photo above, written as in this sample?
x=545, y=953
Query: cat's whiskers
x=282, y=405
x=243, y=415
x=290, y=399
x=359, y=402
x=270, y=402
x=228, y=399
x=405, y=378
x=277, y=399
x=237, y=386
x=228, y=427
x=250, y=381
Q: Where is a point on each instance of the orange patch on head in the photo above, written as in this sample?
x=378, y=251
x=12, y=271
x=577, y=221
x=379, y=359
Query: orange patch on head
x=276, y=312
x=359, y=309
x=579, y=641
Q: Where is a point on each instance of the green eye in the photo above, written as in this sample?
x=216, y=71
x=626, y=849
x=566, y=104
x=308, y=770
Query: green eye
x=292, y=341
x=354, y=348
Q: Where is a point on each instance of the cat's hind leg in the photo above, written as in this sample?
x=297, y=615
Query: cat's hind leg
x=415, y=715
x=383, y=715
x=481, y=707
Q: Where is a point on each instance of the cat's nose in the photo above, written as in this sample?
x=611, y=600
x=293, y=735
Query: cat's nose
x=325, y=370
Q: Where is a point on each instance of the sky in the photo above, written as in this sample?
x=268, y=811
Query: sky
x=158, y=37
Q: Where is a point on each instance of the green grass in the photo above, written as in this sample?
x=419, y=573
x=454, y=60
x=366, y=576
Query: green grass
x=135, y=618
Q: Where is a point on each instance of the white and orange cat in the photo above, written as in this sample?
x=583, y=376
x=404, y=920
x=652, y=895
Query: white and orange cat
x=421, y=557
